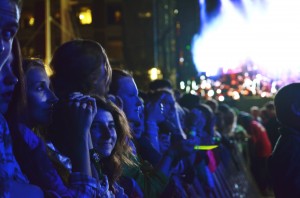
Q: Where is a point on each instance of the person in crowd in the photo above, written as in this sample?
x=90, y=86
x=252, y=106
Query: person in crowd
x=152, y=181
x=284, y=162
x=160, y=84
x=200, y=122
x=270, y=122
x=164, y=84
x=189, y=101
x=80, y=69
x=29, y=146
x=255, y=113
x=213, y=104
x=110, y=134
x=158, y=112
x=12, y=181
x=80, y=65
x=260, y=149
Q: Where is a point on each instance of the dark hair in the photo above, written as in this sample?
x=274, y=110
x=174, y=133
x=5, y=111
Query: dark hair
x=76, y=65
x=19, y=3
x=27, y=63
x=122, y=153
x=117, y=74
x=156, y=95
x=189, y=101
x=159, y=84
x=283, y=101
x=210, y=118
x=270, y=106
x=214, y=105
x=245, y=120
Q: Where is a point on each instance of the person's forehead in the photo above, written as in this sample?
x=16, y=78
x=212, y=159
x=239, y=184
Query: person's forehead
x=126, y=83
x=9, y=11
x=103, y=115
x=35, y=73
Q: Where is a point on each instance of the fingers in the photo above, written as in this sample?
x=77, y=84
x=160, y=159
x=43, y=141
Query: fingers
x=92, y=105
x=74, y=95
x=86, y=102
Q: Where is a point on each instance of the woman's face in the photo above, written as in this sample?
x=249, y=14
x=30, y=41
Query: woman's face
x=103, y=132
x=164, y=142
x=41, y=98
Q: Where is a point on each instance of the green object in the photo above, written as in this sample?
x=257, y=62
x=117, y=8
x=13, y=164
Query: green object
x=205, y=147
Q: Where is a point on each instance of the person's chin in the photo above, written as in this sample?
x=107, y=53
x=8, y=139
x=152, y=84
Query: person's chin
x=105, y=153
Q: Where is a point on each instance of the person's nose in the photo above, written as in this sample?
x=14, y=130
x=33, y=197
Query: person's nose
x=139, y=102
x=106, y=133
x=52, y=98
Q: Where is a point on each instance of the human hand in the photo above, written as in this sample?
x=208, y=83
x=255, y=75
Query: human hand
x=180, y=147
x=81, y=110
x=154, y=111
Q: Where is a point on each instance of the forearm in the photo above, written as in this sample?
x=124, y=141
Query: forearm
x=165, y=163
x=80, y=156
x=152, y=133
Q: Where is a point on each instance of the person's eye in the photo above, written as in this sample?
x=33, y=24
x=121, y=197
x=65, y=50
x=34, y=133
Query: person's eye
x=40, y=87
x=95, y=126
x=112, y=126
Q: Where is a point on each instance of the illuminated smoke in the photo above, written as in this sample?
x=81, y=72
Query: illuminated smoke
x=263, y=33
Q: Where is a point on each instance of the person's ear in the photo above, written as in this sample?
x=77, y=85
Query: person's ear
x=296, y=108
x=116, y=100
x=119, y=102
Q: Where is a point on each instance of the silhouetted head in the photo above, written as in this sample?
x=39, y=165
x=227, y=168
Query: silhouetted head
x=160, y=84
x=80, y=66
x=287, y=105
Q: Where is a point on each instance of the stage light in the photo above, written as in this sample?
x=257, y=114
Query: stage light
x=85, y=16
x=154, y=73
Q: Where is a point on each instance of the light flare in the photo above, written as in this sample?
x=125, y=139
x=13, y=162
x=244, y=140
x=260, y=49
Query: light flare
x=265, y=32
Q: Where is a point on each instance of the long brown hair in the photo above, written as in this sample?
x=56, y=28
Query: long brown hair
x=76, y=64
x=122, y=153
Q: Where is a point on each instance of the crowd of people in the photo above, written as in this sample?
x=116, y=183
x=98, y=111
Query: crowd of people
x=88, y=131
